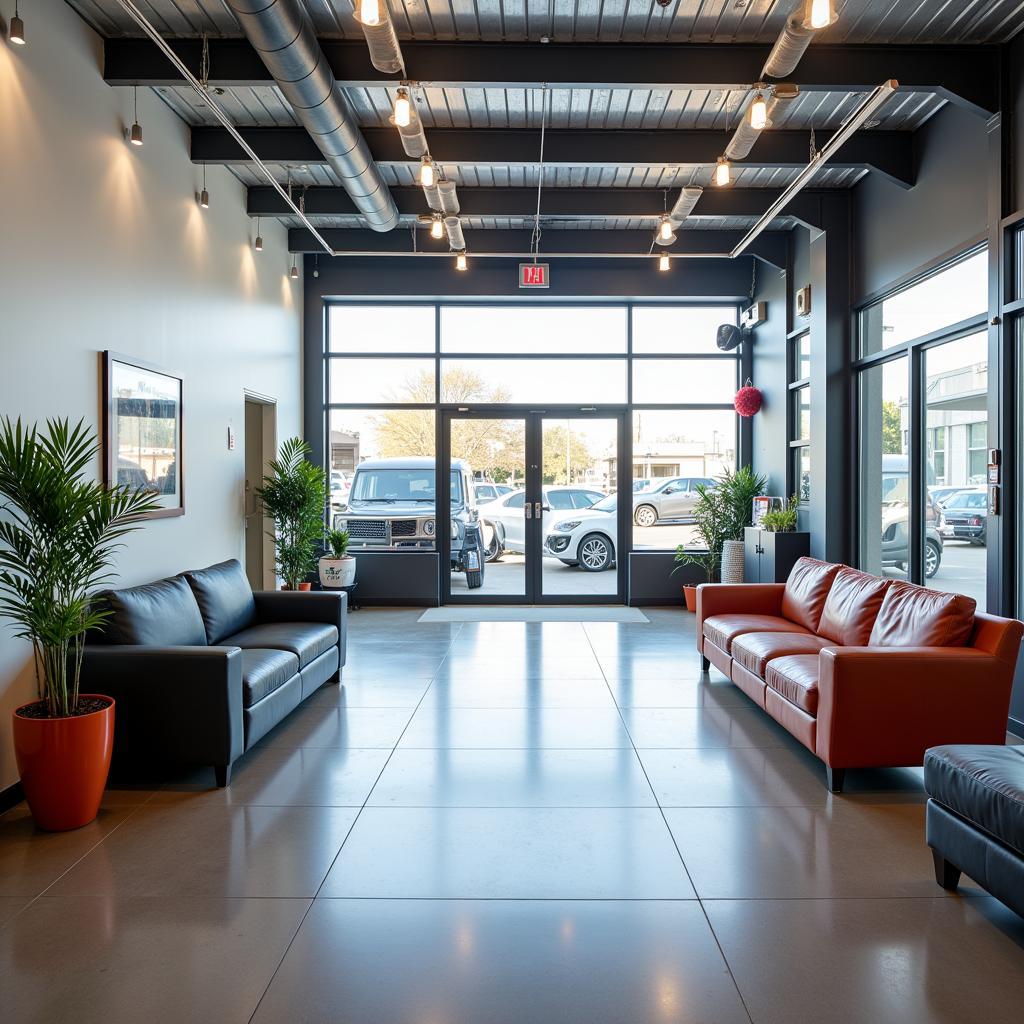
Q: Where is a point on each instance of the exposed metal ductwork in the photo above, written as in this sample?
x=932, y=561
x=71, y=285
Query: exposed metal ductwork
x=455, y=237
x=449, y=198
x=743, y=139
x=282, y=33
x=688, y=199
x=791, y=45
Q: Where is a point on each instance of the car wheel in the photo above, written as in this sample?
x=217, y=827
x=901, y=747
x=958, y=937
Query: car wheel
x=494, y=550
x=932, y=558
x=475, y=578
x=595, y=553
x=645, y=515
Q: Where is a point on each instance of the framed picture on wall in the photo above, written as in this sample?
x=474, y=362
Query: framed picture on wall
x=142, y=431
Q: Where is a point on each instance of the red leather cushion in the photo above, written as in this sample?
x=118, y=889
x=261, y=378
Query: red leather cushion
x=721, y=630
x=806, y=589
x=796, y=678
x=852, y=607
x=754, y=650
x=913, y=616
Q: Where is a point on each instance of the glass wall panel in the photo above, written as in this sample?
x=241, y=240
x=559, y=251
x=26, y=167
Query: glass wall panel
x=678, y=330
x=954, y=294
x=884, y=469
x=802, y=414
x=802, y=357
x=531, y=381
x=380, y=328
x=674, y=452
x=801, y=456
x=956, y=423
x=395, y=381
x=533, y=330
x=684, y=381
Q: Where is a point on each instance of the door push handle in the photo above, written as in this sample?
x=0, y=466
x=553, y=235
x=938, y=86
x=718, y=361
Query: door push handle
x=529, y=510
x=537, y=510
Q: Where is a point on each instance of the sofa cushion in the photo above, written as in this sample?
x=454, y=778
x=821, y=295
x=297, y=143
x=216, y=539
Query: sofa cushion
x=160, y=614
x=754, y=650
x=795, y=677
x=306, y=640
x=852, y=607
x=224, y=597
x=913, y=616
x=721, y=630
x=984, y=784
x=263, y=671
x=806, y=590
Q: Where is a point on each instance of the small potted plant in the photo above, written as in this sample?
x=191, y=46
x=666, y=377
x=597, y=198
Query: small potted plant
x=57, y=540
x=737, y=492
x=294, y=495
x=709, y=521
x=782, y=520
x=337, y=566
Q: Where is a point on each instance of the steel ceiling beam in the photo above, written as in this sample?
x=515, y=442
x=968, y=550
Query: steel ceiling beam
x=889, y=153
x=966, y=75
x=565, y=203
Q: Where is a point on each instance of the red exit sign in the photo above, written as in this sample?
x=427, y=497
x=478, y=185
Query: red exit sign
x=534, y=275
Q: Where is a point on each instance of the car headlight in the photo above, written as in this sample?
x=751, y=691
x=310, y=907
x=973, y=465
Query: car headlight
x=340, y=524
x=568, y=525
x=428, y=527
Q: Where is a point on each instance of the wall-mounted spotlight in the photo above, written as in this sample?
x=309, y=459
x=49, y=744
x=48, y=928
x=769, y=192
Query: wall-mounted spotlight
x=460, y=261
x=427, y=172
x=664, y=262
x=16, y=30
x=258, y=244
x=135, y=136
x=723, y=172
x=437, y=227
x=403, y=109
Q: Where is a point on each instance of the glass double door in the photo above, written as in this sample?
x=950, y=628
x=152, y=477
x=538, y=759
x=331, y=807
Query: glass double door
x=532, y=499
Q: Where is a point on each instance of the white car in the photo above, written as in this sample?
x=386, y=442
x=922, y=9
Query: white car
x=504, y=519
x=586, y=538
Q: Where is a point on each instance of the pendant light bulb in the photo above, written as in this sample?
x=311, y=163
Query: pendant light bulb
x=664, y=262
x=294, y=270
x=135, y=137
x=759, y=113
x=369, y=12
x=820, y=14
x=666, y=236
x=437, y=228
x=460, y=262
x=427, y=173
x=204, y=199
x=16, y=29
x=723, y=172
x=258, y=244
x=403, y=109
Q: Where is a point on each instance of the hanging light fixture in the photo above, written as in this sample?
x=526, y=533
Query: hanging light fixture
x=723, y=172
x=403, y=109
x=460, y=261
x=665, y=236
x=258, y=244
x=16, y=30
x=135, y=138
x=437, y=227
x=369, y=12
x=759, y=113
x=820, y=14
x=204, y=196
x=295, y=269
x=664, y=262
x=427, y=172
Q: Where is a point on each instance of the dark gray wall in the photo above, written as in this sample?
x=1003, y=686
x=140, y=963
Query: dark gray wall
x=768, y=355
x=896, y=230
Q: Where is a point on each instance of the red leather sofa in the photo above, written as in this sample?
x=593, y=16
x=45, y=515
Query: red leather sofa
x=863, y=671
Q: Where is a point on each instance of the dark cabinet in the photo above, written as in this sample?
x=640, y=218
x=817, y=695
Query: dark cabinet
x=768, y=557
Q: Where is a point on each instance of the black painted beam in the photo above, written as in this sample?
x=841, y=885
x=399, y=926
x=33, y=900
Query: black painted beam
x=263, y=201
x=889, y=153
x=963, y=74
x=771, y=246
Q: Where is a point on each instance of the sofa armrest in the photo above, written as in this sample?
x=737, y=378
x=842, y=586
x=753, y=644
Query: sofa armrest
x=743, y=598
x=327, y=606
x=887, y=705
x=173, y=703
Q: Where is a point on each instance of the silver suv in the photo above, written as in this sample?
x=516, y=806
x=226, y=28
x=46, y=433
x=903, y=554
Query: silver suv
x=670, y=499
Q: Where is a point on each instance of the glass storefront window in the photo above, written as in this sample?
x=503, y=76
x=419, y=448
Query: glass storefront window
x=802, y=357
x=684, y=381
x=678, y=330
x=802, y=414
x=383, y=329
x=396, y=381
x=583, y=381
x=533, y=330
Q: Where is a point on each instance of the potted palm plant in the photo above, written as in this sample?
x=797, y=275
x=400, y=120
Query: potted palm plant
x=337, y=566
x=57, y=541
x=294, y=495
x=737, y=492
x=709, y=518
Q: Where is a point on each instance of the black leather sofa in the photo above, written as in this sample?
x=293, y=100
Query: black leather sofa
x=201, y=667
x=975, y=817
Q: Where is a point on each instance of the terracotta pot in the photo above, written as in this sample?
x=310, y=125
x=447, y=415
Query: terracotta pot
x=690, y=596
x=63, y=763
x=305, y=586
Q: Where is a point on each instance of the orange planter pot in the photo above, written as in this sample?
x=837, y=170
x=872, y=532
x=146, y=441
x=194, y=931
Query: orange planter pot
x=63, y=763
x=690, y=596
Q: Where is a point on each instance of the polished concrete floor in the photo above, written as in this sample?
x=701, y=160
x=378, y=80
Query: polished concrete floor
x=506, y=822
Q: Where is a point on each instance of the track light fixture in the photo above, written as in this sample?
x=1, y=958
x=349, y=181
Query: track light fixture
x=820, y=14
x=460, y=261
x=665, y=236
x=16, y=30
x=135, y=138
x=664, y=262
x=723, y=172
x=437, y=227
x=427, y=172
x=759, y=113
x=258, y=244
x=403, y=109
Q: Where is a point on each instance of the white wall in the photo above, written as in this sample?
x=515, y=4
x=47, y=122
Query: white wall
x=102, y=246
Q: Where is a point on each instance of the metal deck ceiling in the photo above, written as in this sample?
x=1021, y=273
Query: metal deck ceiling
x=716, y=21
x=558, y=223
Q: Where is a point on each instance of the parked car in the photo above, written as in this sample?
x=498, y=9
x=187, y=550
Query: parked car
x=490, y=492
x=965, y=515
x=504, y=519
x=586, y=538
x=644, y=483
x=940, y=495
x=392, y=507
x=671, y=499
x=341, y=484
x=896, y=519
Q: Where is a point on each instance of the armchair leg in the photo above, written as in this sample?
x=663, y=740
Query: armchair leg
x=705, y=664
x=947, y=875
x=223, y=774
x=834, y=778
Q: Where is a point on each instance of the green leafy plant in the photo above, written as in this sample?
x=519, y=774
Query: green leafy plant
x=782, y=520
x=709, y=517
x=294, y=495
x=337, y=543
x=738, y=491
x=57, y=543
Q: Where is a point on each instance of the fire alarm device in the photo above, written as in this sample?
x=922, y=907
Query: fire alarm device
x=803, y=301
